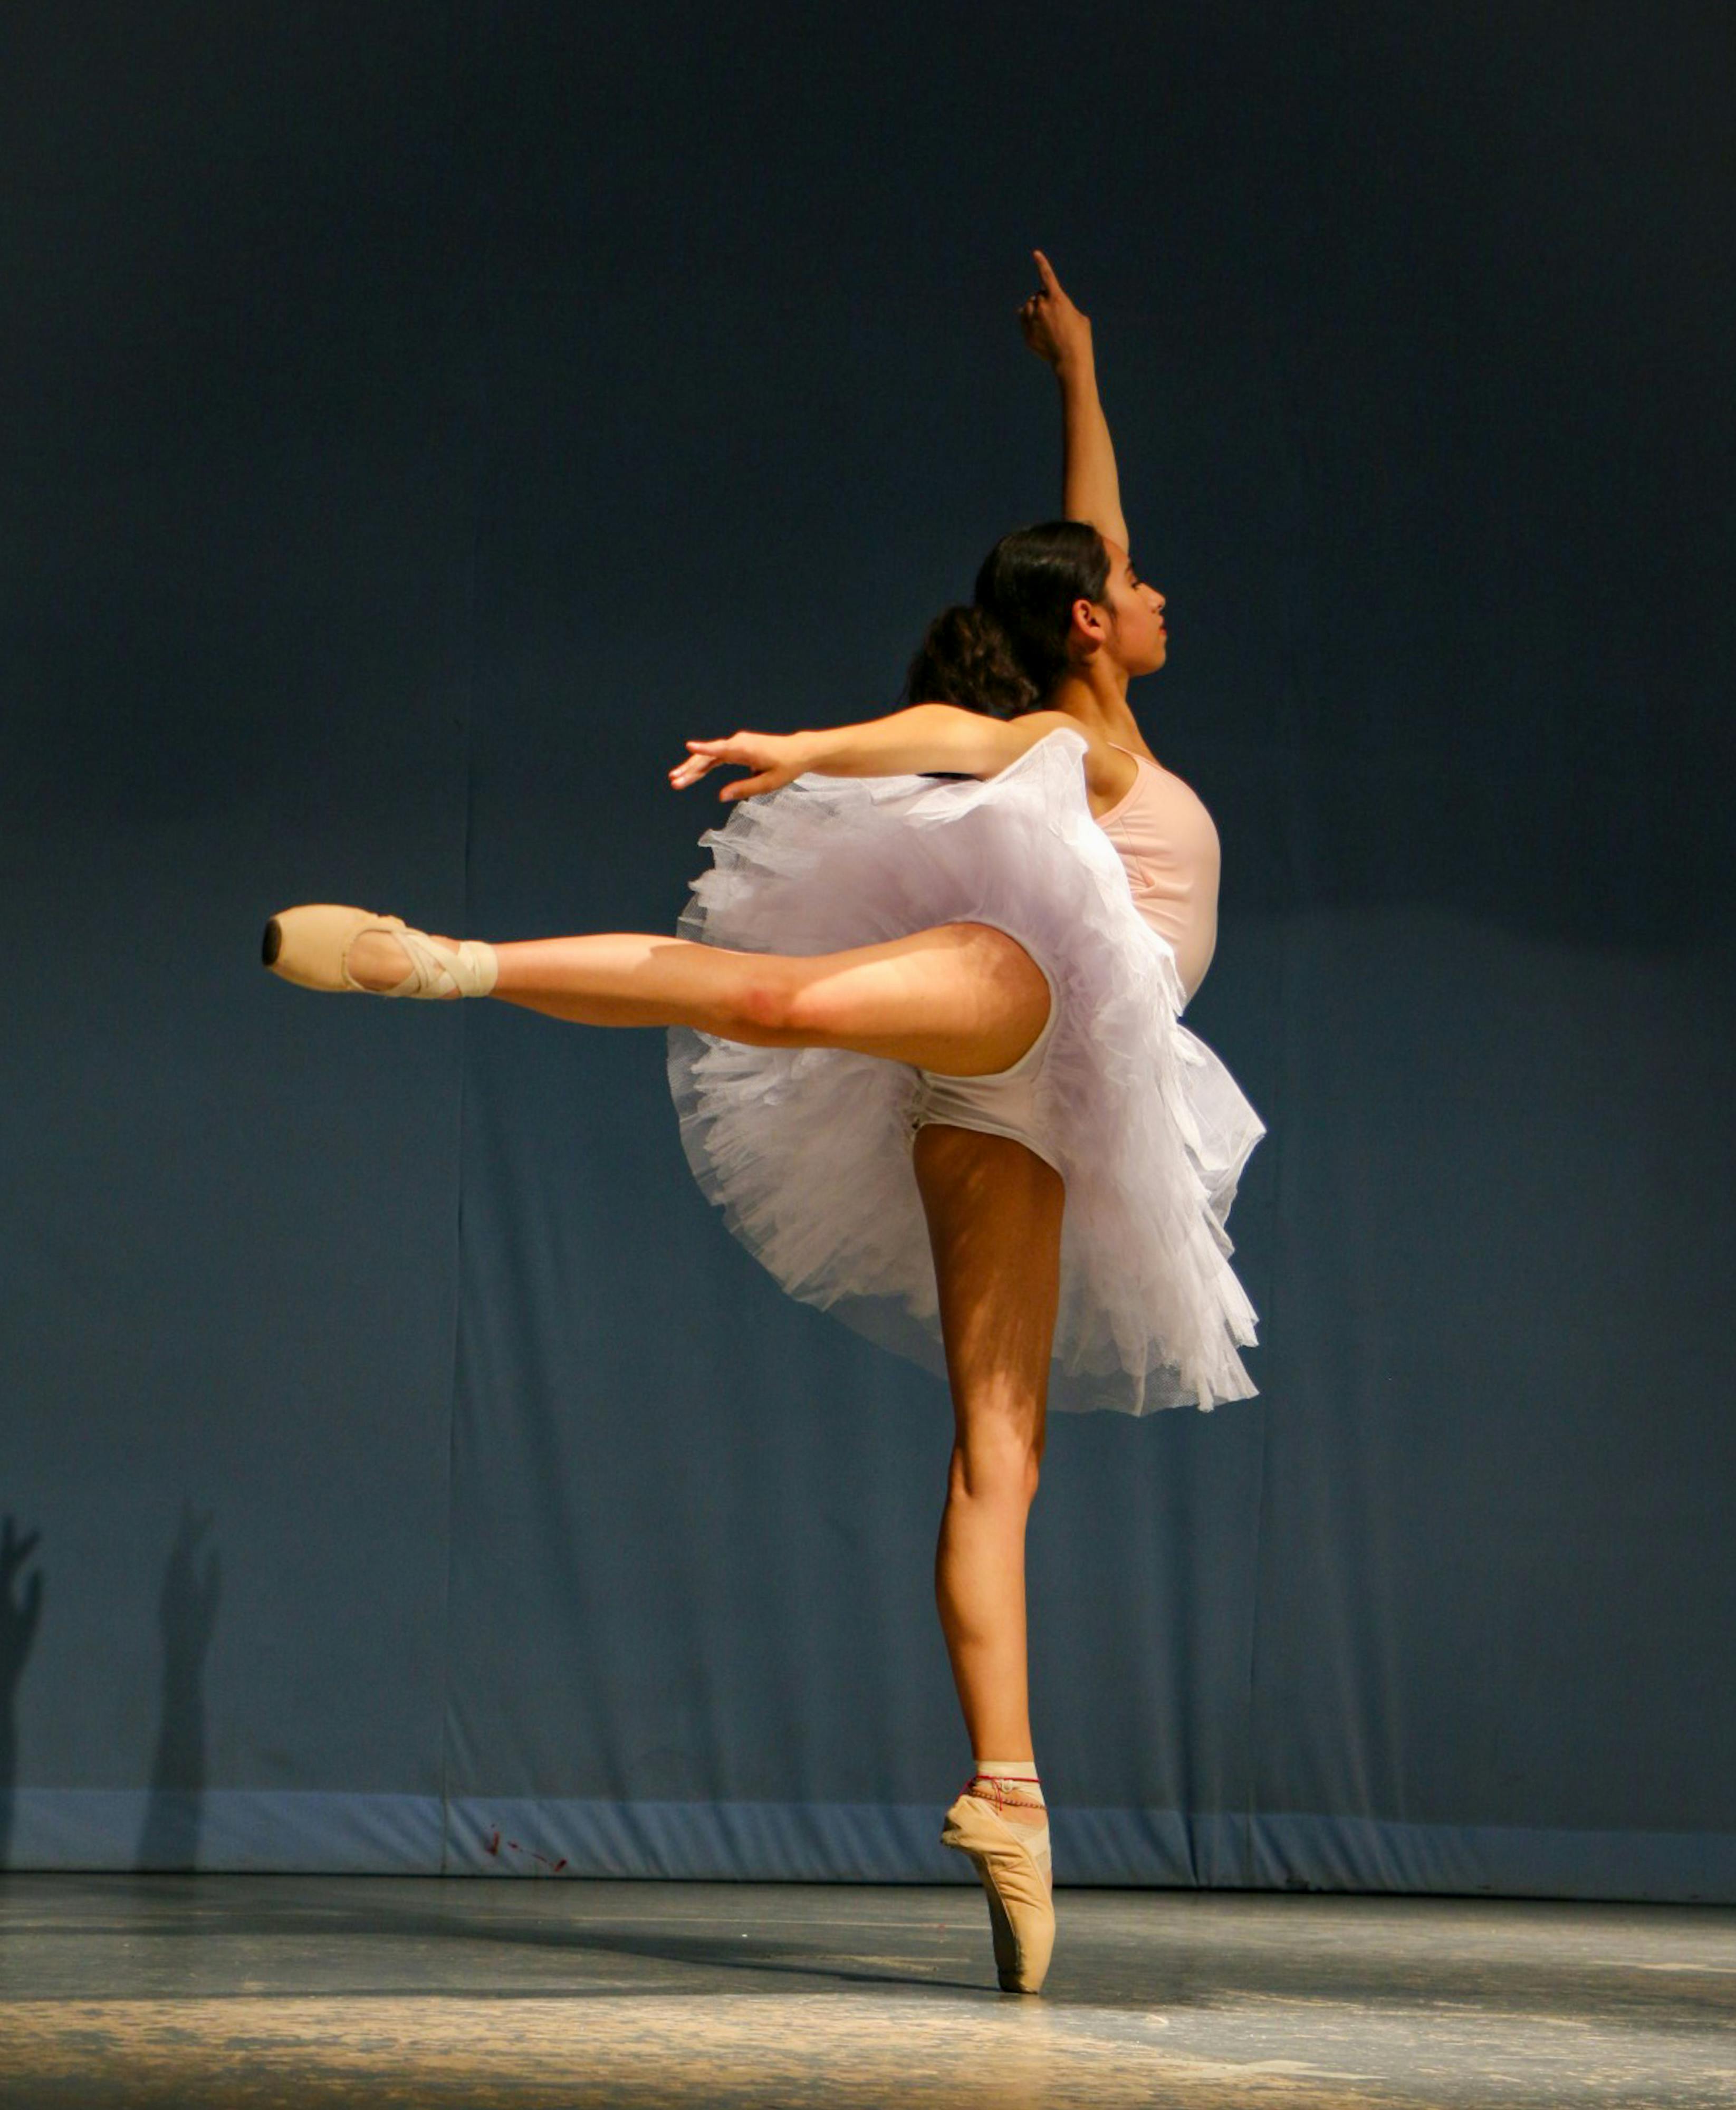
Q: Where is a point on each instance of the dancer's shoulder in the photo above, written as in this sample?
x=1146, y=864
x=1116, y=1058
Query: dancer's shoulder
x=1109, y=771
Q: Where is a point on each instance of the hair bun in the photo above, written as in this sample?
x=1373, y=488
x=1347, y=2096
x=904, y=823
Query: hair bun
x=966, y=658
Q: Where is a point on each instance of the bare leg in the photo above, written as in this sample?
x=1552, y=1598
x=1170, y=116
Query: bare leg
x=963, y=998
x=995, y=1211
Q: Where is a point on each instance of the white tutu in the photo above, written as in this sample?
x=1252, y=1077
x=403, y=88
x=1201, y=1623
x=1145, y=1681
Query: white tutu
x=807, y=1151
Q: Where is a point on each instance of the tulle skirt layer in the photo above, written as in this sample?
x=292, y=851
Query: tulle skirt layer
x=807, y=1151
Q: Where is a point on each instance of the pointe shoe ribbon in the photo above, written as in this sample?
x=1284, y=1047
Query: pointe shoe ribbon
x=310, y=945
x=1014, y=1867
x=470, y=972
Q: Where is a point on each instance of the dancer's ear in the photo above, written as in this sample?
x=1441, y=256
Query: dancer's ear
x=1090, y=627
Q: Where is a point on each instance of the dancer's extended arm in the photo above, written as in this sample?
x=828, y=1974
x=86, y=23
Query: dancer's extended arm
x=926, y=737
x=1056, y=332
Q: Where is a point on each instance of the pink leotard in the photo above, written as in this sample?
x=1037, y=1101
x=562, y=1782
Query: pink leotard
x=1168, y=844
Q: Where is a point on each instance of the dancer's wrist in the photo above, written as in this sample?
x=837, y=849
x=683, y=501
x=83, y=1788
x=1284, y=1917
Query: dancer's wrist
x=1076, y=370
x=813, y=751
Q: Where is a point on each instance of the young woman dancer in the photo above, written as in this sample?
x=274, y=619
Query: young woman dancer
x=925, y=1046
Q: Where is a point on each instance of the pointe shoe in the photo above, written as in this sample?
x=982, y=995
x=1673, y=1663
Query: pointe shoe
x=310, y=945
x=1014, y=1867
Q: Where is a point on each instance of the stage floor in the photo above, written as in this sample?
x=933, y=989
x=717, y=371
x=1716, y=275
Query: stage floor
x=295, y=1990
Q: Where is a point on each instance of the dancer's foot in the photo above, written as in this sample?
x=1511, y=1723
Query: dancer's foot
x=1004, y=1830
x=322, y=946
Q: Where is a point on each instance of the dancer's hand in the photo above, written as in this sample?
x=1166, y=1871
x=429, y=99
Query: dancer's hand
x=1054, y=327
x=775, y=758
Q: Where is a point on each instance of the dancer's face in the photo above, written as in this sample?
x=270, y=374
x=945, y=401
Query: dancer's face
x=1137, y=635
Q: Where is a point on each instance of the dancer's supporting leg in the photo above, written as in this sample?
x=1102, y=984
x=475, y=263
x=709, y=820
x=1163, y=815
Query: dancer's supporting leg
x=963, y=998
x=994, y=1212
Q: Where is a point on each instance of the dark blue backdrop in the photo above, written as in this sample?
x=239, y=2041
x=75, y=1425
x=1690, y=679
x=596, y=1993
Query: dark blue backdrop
x=420, y=420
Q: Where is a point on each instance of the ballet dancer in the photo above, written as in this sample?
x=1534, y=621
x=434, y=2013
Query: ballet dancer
x=924, y=1042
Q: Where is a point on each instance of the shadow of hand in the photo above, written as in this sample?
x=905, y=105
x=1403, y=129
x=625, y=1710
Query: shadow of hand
x=17, y=1618
x=188, y=1607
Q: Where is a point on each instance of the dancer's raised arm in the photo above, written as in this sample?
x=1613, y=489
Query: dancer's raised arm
x=931, y=737
x=1057, y=333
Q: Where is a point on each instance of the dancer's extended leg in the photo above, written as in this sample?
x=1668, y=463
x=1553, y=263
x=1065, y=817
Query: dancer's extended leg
x=963, y=998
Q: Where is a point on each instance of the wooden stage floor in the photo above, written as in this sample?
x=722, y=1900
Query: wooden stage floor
x=138, y=1990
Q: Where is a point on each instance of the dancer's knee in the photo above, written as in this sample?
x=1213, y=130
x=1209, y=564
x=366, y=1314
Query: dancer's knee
x=998, y=1464
x=765, y=1007
x=796, y=1006
x=780, y=1003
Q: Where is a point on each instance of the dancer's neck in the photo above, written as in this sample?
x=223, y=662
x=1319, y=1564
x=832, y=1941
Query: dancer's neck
x=1097, y=696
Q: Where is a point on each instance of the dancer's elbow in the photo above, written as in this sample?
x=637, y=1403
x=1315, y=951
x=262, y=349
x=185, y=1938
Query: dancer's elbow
x=970, y=743
x=1012, y=737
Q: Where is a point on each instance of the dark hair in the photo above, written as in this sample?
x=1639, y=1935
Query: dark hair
x=1004, y=653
